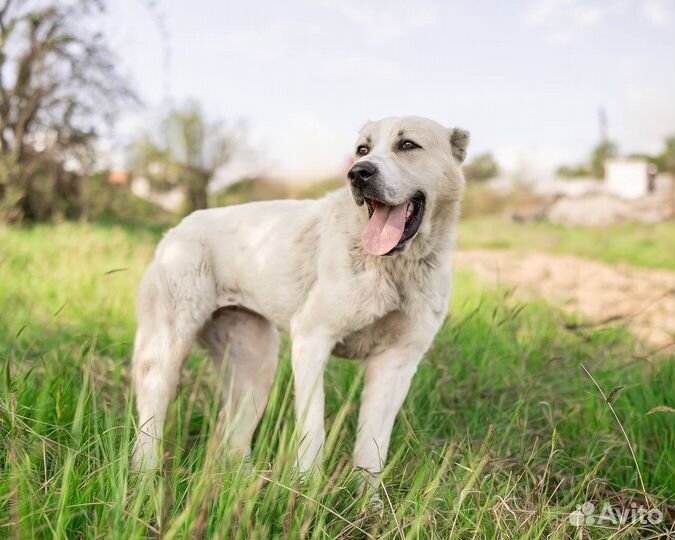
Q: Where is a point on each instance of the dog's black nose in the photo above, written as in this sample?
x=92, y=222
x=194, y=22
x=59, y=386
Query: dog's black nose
x=361, y=172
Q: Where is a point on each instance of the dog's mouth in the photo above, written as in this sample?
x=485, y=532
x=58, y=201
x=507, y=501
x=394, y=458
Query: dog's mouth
x=391, y=226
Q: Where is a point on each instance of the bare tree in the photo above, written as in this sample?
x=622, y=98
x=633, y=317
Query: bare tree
x=184, y=151
x=58, y=89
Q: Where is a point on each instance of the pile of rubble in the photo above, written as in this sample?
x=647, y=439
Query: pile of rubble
x=594, y=207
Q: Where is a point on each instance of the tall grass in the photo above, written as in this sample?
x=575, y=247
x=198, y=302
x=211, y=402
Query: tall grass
x=502, y=435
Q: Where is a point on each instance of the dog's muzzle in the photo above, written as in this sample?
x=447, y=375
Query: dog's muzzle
x=365, y=182
x=361, y=174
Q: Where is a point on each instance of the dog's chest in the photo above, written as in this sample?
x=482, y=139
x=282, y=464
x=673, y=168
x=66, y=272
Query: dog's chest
x=372, y=338
x=383, y=304
x=384, y=301
x=374, y=295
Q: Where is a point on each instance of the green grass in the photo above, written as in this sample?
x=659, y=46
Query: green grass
x=502, y=435
x=632, y=243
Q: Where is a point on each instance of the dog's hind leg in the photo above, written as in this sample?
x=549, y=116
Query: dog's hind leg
x=248, y=345
x=158, y=358
x=174, y=300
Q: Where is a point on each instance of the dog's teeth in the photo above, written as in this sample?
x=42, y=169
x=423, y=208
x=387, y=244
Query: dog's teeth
x=409, y=210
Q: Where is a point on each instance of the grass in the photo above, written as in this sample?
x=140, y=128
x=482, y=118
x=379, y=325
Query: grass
x=502, y=435
x=632, y=243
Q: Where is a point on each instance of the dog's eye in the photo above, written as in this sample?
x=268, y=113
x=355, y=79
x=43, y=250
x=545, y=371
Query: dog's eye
x=408, y=145
x=362, y=150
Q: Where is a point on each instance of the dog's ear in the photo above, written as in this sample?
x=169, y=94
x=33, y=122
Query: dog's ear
x=459, y=140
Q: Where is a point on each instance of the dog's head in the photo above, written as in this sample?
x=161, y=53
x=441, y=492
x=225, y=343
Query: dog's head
x=406, y=172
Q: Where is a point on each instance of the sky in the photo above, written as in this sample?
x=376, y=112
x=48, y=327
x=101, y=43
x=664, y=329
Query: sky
x=525, y=77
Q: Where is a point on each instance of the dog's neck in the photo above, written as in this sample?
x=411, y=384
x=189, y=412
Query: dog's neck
x=443, y=234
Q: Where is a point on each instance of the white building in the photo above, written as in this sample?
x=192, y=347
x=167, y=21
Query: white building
x=171, y=200
x=630, y=178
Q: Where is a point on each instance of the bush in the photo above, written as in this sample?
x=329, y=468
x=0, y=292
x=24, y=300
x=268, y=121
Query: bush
x=480, y=168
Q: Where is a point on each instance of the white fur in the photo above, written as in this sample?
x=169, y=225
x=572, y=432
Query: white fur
x=231, y=277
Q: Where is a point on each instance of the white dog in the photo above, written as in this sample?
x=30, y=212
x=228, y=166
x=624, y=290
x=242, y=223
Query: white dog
x=362, y=273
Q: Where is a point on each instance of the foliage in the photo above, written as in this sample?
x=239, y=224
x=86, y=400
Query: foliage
x=482, y=167
x=596, y=164
x=600, y=154
x=573, y=171
x=501, y=436
x=110, y=203
x=665, y=161
x=481, y=199
x=58, y=90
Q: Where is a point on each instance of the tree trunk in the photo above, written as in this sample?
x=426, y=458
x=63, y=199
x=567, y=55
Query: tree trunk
x=197, y=194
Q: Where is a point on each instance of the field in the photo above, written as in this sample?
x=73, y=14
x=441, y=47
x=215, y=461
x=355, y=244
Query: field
x=632, y=243
x=515, y=417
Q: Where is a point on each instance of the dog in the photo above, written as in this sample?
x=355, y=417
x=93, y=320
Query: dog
x=363, y=273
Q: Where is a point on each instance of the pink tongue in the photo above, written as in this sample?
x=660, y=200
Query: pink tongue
x=384, y=230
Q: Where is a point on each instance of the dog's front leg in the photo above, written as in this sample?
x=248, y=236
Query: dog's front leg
x=388, y=377
x=310, y=353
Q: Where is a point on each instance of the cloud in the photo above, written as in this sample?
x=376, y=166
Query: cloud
x=533, y=163
x=388, y=21
x=270, y=42
x=659, y=12
x=566, y=20
x=644, y=117
x=309, y=149
x=382, y=69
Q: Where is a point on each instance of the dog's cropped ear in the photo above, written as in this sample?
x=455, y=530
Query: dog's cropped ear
x=459, y=140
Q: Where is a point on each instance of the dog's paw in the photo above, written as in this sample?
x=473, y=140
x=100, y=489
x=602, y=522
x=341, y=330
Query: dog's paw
x=144, y=458
x=375, y=504
x=368, y=482
x=369, y=488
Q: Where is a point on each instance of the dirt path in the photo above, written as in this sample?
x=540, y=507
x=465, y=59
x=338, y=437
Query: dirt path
x=598, y=291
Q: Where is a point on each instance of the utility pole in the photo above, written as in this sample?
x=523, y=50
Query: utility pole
x=603, y=126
